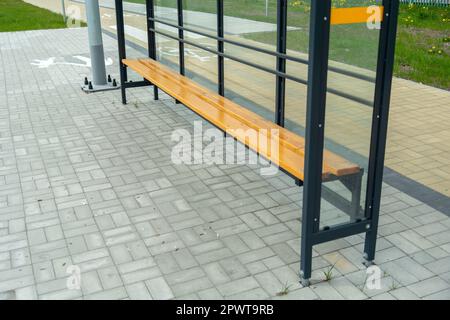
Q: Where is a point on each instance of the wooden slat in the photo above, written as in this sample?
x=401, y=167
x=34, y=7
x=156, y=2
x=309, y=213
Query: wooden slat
x=334, y=164
x=227, y=115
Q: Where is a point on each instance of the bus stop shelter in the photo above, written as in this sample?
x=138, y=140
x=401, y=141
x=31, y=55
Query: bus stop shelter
x=337, y=206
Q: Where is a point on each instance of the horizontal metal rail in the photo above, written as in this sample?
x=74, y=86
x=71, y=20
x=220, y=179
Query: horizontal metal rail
x=262, y=50
x=262, y=68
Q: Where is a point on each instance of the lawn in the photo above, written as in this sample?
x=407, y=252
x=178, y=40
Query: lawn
x=423, y=50
x=16, y=15
x=423, y=47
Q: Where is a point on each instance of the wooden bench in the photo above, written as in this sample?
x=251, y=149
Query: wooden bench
x=236, y=120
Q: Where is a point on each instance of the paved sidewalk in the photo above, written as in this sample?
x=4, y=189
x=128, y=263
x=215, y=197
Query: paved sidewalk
x=87, y=182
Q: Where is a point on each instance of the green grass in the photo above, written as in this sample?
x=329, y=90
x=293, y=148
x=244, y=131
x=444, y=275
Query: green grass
x=16, y=15
x=423, y=49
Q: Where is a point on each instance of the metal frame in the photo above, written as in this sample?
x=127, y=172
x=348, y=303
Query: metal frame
x=280, y=95
x=380, y=122
x=220, y=48
x=125, y=84
x=362, y=220
x=180, y=35
x=150, y=11
x=257, y=66
x=315, y=128
x=367, y=220
x=122, y=49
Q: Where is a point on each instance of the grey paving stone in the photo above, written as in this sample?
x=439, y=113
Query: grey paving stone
x=285, y=253
x=417, y=270
x=138, y=291
x=118, y=293
x=253, y=294
x=26, y=293
x=428, y=286
x=167, y=263
x=403, y=294
x=399, y=273
x=347, y=289
x=255, y=255
x=185, y=275
x=109, y=277
x=271, y=284
x=216, y=273
x=192, y=286
x=235, y=244
x=389, y=254
x=299, y=294
x=159, y=289
x=214, y=255
x=326, y=291
x=273, y=262
x=384, y=296
x=422, y=257
x=209, y=294
x=16, y=282
x=234, y=268
x=184, y=259
x=90, y=283
x=238, y=286
x=440, y=266
x=441, y=295
x=65, y=294
x=437, y=253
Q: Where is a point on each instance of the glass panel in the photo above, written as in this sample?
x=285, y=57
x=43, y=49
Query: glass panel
x=201, y=15
x=167, y=48
x=297, y=46
x=348, y=120
x=250, y=87
x=298, y=26
x=201, y=65
x=254, y=23
x=134, y=25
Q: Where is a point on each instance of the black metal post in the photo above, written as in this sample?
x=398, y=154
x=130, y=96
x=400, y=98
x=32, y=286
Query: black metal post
x=151, y=36
x=281, y=61
x=315, y=126
x=181, y=35
x=220, y=48
x=122, y=48
x=380, y=122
